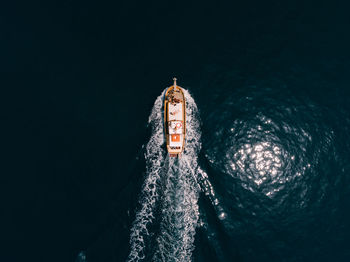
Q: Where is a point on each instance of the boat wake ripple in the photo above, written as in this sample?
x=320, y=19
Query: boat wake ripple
x=171, y=187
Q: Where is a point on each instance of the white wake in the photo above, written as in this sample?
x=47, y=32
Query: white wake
x=173, y=186
x=170, y=184
x=179, y=204
x=154, y=156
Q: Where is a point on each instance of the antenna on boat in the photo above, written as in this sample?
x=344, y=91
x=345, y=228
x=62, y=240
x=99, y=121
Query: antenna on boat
x=174, y=81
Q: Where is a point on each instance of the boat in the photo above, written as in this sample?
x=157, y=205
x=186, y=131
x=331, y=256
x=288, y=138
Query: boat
x=175, y=120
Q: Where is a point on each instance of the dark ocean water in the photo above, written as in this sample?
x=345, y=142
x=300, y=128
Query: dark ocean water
x=266, y=172
x=272, y=178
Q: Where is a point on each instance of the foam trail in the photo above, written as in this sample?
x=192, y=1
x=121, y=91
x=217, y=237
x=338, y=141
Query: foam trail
x=180, y=203
x=154, y=156
x=173, y=185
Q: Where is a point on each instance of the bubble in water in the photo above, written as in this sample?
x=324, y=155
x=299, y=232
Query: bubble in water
x=222, y=215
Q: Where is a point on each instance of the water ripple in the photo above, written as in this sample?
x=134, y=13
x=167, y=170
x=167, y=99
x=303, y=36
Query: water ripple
x=269, y=159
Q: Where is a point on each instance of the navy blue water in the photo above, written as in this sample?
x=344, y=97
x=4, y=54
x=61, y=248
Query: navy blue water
x=266, y=171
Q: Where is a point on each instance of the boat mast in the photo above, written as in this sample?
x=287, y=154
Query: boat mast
x=174, y=81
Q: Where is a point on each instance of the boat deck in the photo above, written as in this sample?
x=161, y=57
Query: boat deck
x=175, y=111
x=175, y=120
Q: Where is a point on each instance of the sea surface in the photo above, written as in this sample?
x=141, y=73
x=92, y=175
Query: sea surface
x=266, y=171
x=263, y=178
